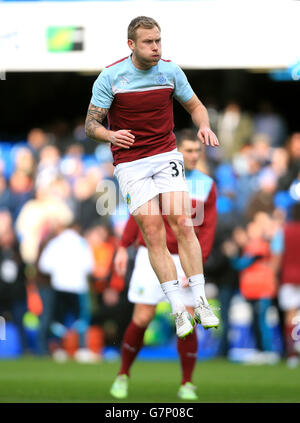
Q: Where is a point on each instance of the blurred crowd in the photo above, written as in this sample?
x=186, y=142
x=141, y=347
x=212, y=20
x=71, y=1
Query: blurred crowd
x=57, y=247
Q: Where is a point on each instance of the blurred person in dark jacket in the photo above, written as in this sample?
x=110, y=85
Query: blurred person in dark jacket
x=293, y=168
x=15, y=192
x=219, y=271
x=110, y=307
x=84, y=195
x=21, y=187
x=263, y=199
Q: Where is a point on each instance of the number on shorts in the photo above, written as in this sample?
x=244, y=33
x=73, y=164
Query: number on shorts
x=175, y=168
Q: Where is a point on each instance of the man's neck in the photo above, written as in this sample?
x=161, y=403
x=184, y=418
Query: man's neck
x=138, y=64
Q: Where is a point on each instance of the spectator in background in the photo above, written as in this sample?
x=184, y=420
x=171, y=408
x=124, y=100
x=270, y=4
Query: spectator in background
x=220, y=272
x=21, y=187
x=235, y=129
x=37, y=139
x=107, y=285
x=84, y=196
x=48, y=165
x=226, y=185
x=261, y=148
x=270, y=123
x=293, y=168
x=257, y=283
x=279, y=162
x=4, y=194
x=71, y=164
x=12, y=277
x=246, y=168
x=25, y=162
x=68, y=259
x=80, y=137
x=263, y=199
x=15, y=194
x=38, y=215
x=61, y=133
x=289, y=292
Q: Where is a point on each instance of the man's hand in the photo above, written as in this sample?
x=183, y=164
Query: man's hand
x=122, y=138
x=200, y=118
x=120, y=261
x=207, y=136
x=95, y=130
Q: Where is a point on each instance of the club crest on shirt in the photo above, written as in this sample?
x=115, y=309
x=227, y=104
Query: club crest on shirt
x=140, y=290
x=161, y=79
x=128, y=199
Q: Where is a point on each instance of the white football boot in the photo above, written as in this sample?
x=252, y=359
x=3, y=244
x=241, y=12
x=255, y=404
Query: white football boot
x=184, y=323
x=203, y=314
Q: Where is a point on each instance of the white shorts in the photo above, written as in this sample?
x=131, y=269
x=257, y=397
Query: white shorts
x=143, y=179
x=289, y=297
x=144, y=287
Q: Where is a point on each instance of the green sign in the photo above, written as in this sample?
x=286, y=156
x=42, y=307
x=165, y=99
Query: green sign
x=64, y=38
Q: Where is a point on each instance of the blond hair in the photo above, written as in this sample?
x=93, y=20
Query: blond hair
x=140, y=22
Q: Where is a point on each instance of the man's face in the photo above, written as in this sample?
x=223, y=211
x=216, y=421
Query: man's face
x=191, y=153
x=146, y=48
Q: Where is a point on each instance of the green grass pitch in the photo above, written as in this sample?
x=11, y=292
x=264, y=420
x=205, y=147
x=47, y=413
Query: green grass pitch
x=42, y=380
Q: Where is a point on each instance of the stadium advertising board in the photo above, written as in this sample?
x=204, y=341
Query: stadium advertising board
x=197, y=34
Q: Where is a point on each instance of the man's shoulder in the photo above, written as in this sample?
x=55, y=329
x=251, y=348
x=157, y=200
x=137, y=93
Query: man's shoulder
x=116, y=63
x=168, y=64
x=200, y=184
x=114, y=68
x=198, y=174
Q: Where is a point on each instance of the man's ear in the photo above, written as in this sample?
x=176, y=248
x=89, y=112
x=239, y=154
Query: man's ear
x=131, y=44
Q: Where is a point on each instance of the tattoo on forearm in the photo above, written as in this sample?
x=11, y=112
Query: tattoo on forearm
x=95, y=117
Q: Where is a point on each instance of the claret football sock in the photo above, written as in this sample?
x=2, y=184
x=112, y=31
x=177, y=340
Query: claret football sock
x=131, y=345
x=187, y=350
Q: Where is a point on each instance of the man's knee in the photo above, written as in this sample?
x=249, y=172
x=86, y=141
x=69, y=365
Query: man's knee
x=143, y=314
x=182, y=226
x=153, y=234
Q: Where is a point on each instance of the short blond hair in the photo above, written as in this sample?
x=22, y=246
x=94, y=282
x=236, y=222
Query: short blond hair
x=140, y=22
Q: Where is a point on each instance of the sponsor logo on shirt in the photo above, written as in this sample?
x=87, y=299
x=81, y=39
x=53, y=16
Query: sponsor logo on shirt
x=124, y=81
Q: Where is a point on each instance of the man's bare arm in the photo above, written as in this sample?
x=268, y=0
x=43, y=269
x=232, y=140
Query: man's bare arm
x=94, y=129
x=200, y=118
x=93, y=123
